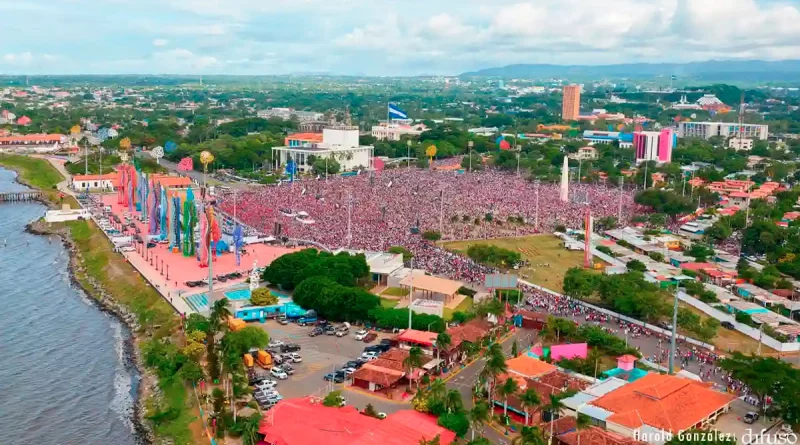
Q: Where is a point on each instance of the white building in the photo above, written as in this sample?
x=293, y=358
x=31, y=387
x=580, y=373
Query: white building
x=741, y=143
x=484, y=131
x=288, y=113
x=393, y=131
x=707, y=130
x=587, y=153
x=339, y=143
x=107, y=181
x=66, y=214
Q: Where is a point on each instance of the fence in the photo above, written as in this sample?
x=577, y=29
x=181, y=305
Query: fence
x=665, y=332
x=749, y=331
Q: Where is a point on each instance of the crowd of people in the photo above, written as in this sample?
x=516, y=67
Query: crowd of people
x=394, y=207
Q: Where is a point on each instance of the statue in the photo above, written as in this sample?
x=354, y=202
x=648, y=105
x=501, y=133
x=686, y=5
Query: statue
x=254, y=277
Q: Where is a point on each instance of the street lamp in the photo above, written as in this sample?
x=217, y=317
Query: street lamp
x=470, y=144
x=408, y=153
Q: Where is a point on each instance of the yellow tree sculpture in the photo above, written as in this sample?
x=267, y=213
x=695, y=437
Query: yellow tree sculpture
x=431, y=152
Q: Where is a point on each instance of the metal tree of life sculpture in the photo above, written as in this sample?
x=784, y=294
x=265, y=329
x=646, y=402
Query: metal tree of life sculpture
x=157, y=153
x=206, y=158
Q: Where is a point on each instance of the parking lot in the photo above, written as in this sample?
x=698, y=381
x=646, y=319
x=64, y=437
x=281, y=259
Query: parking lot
x=323, y=354
x=731, y=422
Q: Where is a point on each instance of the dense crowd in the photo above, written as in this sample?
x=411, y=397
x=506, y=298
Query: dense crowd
x=394, y=206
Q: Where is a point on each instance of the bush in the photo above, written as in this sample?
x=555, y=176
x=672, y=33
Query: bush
x=636, y=265
x=656, y=256
x=432, y=235
x=745, y=318
x=407, y=255
x=290, y=270
x=463, y=290
x=263, y=297
x=510, y=295
x=196, y=322
x=333, y=301
x=398, y=318
x=455, y=422
x=493, y=255
x=461, y=317
x=605, y=250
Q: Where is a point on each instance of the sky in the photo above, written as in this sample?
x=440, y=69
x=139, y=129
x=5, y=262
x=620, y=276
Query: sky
x=382, y=37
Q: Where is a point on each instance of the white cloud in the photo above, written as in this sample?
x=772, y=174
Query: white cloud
x=24, y=58
x=160, y=42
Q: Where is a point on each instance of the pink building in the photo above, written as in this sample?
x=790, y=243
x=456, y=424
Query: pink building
x=654, y=145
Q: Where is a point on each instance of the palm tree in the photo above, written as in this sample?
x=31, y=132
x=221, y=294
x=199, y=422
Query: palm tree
x=249, y=429
x=443, y=342
x=434, y=441
x=495, y=365
x=452, y=401
x=529, y=435
x=478, y=416
x=219, y=312
x=581, y=423
x=554, y=406
x=414, y=360
x=437, y=390
x=508, y=388
x=529, y=399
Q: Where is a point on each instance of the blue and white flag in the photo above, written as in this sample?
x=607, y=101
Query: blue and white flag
x=396, y=113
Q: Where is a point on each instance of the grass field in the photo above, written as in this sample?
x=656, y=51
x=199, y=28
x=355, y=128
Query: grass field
x=464, y=306
x=36, y=172
x=395, y=292
x=389, y=303
x=537, y=249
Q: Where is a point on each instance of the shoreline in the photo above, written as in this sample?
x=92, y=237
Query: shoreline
x=104, y=302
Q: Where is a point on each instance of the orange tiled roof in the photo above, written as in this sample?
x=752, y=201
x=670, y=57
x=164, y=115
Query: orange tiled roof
x=33, y=138
x=424, y=338
x=671, y=403
x=527, y=366
x=304, y=137
x=596, y=436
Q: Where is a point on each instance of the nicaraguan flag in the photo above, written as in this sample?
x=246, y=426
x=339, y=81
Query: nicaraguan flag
x=396, y=113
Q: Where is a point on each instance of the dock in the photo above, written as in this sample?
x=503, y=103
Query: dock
x=20, y=196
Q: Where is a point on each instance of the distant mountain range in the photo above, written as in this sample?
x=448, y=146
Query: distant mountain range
x=713, y=70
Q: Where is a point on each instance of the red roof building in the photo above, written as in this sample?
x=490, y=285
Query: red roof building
x=33, y=139
x=306, y=421
x=666, y=402
x=24, y=120
x=415, y=337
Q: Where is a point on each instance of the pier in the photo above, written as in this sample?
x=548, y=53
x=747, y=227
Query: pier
x=19, y=196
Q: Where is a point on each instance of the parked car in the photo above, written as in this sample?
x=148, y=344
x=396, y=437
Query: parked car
x=283, y=320
x=316, y=331
x=383, y=348
x=342, y=332
x=278, y=373
x=727, y=325
x=266, y=384
x=330, y=330
x=386, y=341
x=370, y=355
x=750, y=417
x=373, y=348
x=151, y=245
x=369, y=338
x=287, y=368
x=290, y=347
x=353, y=364
x=361, y=334
x=334, y=377
x=275, y=343
x=348, y=371
x=295, y=357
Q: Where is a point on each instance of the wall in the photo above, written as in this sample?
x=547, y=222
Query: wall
x=749, y=331
x=623, y=317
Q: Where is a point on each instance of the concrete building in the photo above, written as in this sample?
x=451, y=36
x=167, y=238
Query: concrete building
x=484, y=131
x=313, y=126
x=108, y=181
x=288, y=113
x=707, y=130
x=625, y=140
x=339, y=143
x=740, y=144
x=393, y=131
x=571, y=102
x=587, y=153
x=654, y=145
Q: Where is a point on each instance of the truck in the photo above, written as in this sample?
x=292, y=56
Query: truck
x=264, y=359
x=248, y=361
x=310, y=317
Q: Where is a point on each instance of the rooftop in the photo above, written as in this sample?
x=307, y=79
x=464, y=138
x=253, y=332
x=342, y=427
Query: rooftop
x=671, y=403
x=423, y=338
x=432, y=284
x=527, y=366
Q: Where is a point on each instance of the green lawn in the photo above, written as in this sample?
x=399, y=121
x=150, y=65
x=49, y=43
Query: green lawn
x=395, y=292
x=465, y=306
x=34, y=171
x=537, y=249
x=388, y=303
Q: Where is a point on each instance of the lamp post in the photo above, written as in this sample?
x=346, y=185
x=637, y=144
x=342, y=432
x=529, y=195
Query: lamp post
x=470, y=144
x=408, y=153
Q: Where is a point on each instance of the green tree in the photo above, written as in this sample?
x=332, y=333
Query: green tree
x=453, y=402
x=530, y=435
x=478, y=416
x=333, y=399
x=508, y=388
x=432, y=235
x=443, y=342
x=529, y=400
x=514, y=351
x=580, y=283
x=456, y=422
x=407, y=255
x=263, y=297
x=435, y=441
x=768, y=377
x=323, y=166
x=370, y=410
x=415, y=359
x=636, y=265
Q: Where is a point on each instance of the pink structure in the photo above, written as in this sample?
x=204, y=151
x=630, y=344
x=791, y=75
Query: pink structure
x=626, y=362
x=654, y=145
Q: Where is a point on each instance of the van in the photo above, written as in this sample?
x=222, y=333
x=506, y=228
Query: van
x=264, y=359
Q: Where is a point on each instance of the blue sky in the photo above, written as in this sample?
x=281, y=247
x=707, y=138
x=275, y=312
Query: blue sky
x=382, y=37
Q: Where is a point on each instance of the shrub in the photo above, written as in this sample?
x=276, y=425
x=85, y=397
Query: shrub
x=263, y=297
x=432, y=235
x=463, y=290
x=455, y=422
x=398, y=318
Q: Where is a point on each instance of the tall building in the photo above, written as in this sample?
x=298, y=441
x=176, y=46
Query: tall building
x=707, y=130
x=654, y=145
x=571, y=102
x=338, y=142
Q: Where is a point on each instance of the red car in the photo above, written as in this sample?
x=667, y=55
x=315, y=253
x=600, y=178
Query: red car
x=370, y=337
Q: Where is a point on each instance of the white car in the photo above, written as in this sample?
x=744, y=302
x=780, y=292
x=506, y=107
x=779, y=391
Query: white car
x=278, y=373
x=295, y=357
x=266, y=385
x=275, y=343
x=360, y=335
x=348, y=371
x=371, y=355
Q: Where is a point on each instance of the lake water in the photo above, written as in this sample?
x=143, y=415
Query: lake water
x=63, y=377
